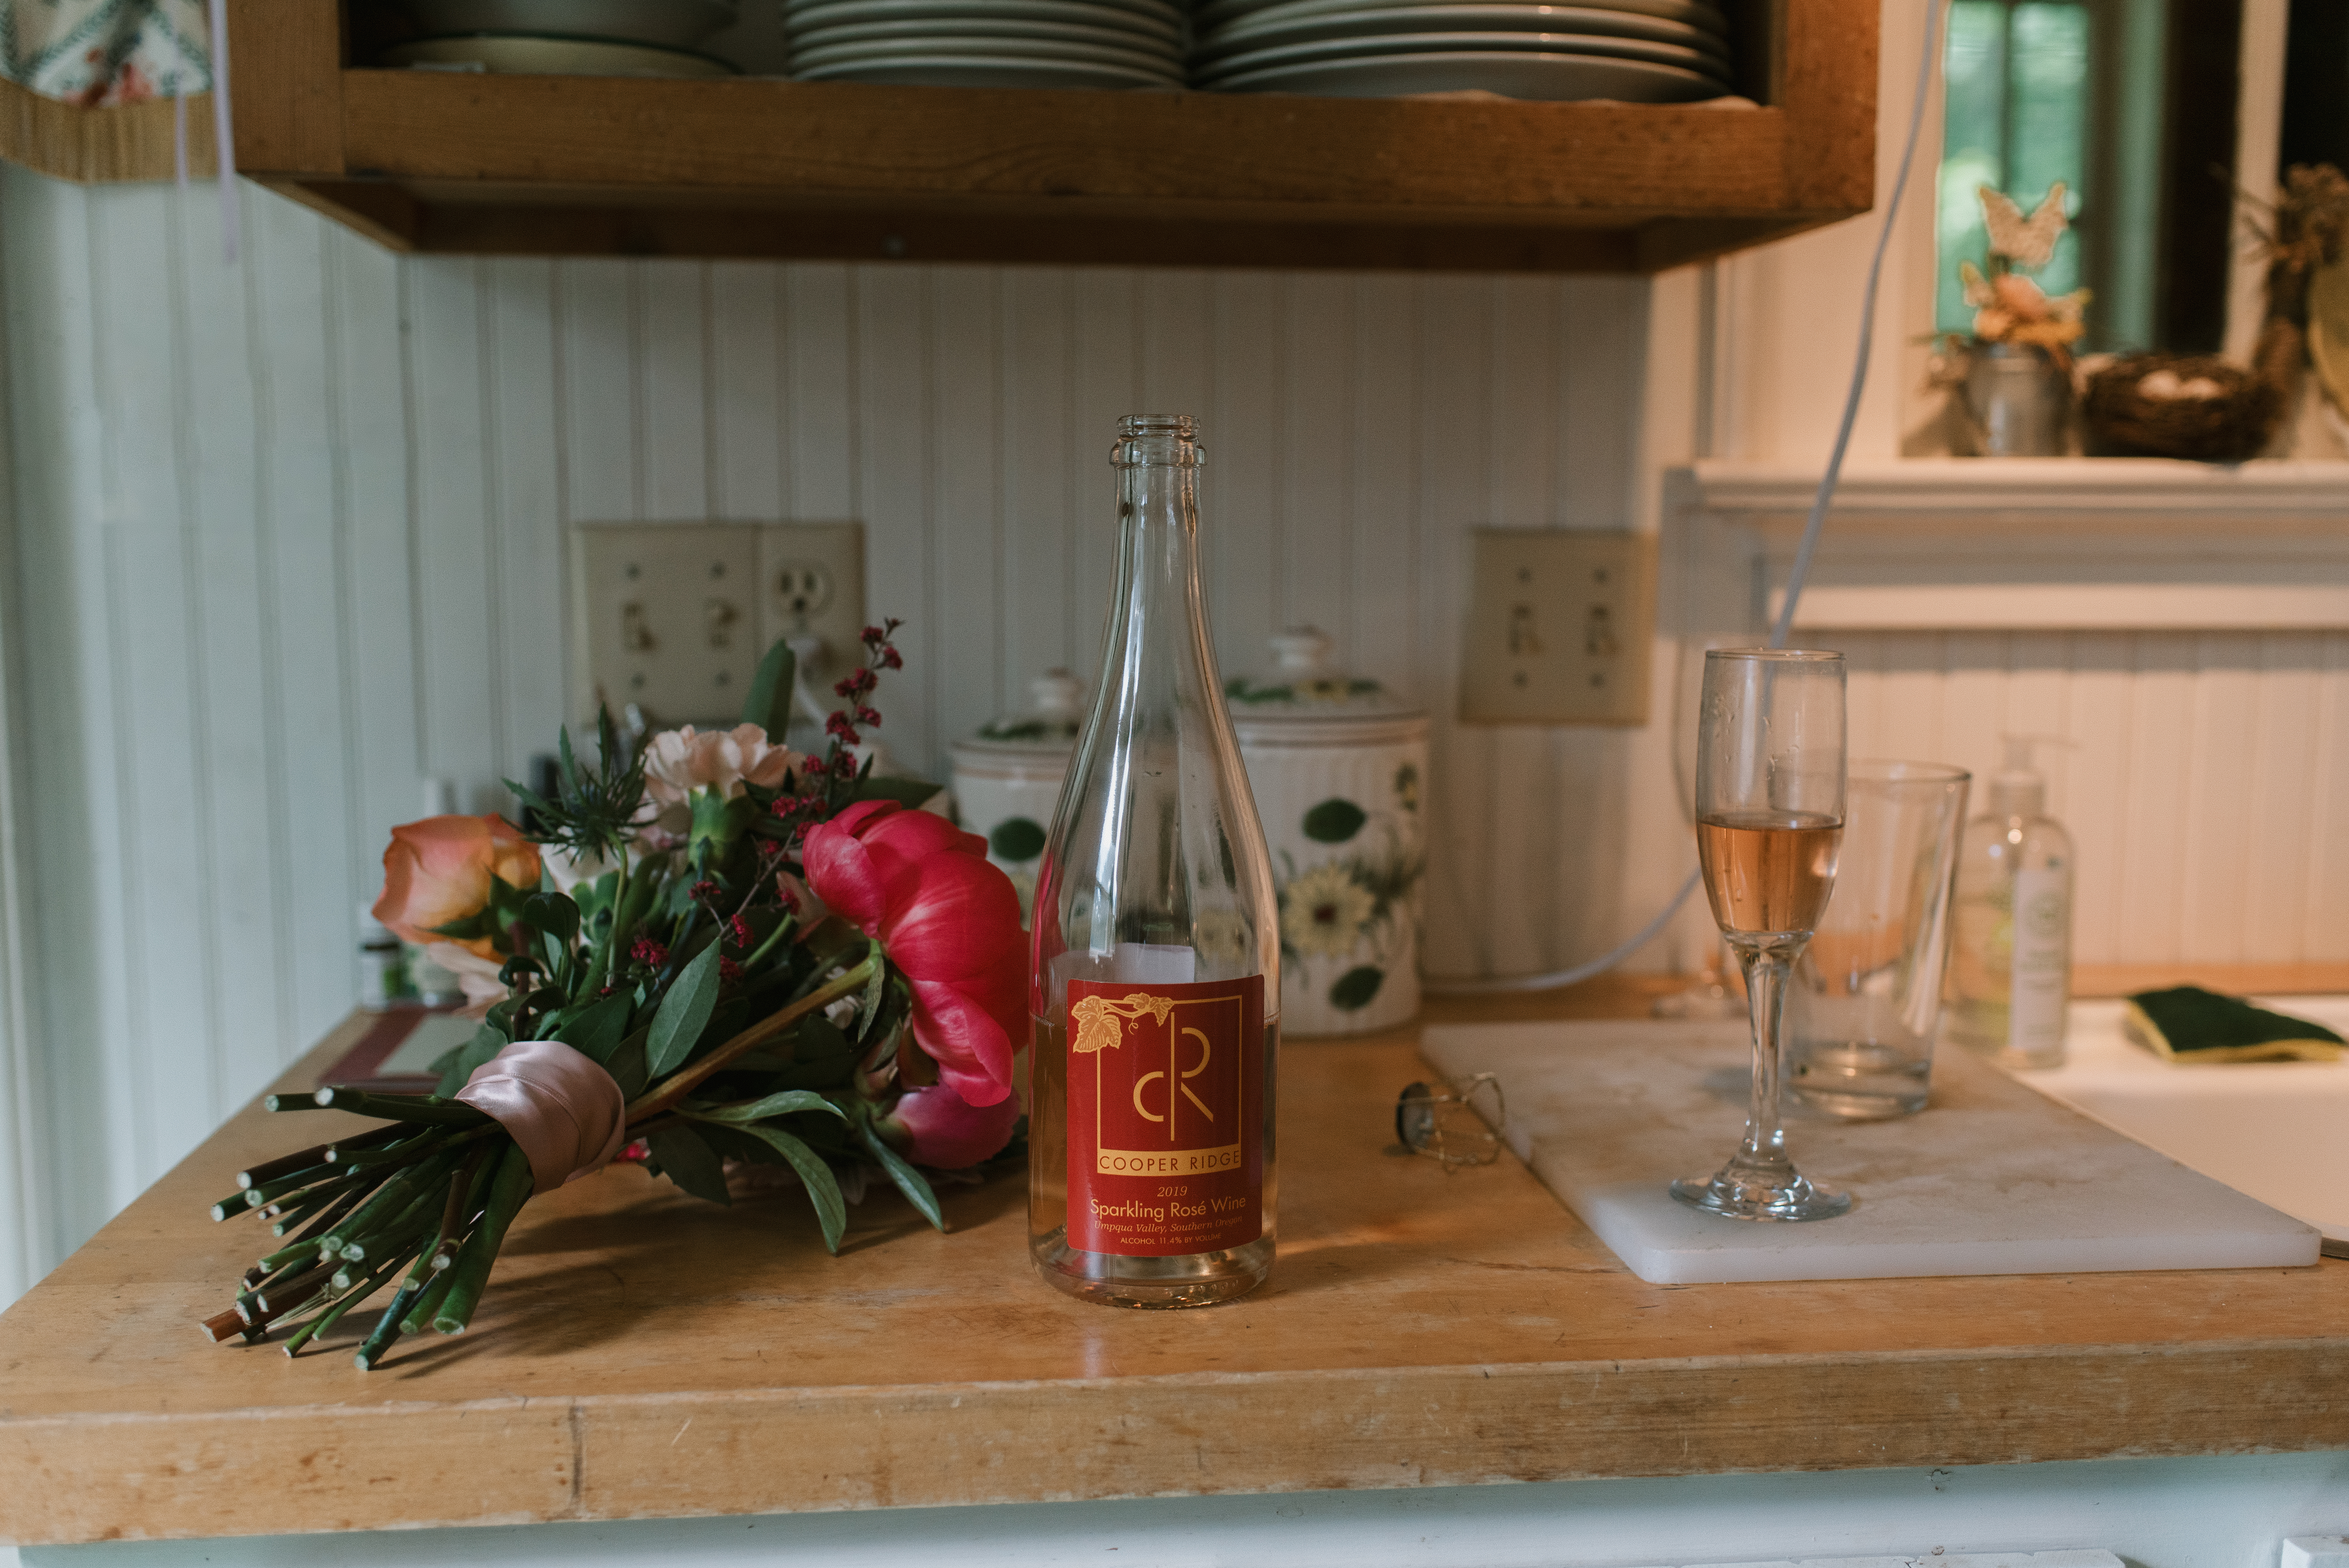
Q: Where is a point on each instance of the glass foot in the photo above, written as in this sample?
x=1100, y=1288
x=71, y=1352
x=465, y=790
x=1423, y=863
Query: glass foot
x=1736, y=1194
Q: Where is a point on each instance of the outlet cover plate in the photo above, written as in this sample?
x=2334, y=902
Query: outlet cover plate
x=1561, y=627
x=675, y=616
x=813, y=577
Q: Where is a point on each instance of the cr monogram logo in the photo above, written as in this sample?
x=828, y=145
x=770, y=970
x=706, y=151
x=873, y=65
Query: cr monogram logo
x=1206, y=1051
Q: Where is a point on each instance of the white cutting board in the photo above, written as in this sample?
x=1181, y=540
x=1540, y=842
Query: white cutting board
x=2277, y=1130
x=1990, y=1179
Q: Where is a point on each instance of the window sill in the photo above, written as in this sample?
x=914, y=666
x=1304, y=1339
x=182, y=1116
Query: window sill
x=2034, y=544
x=2316, y=495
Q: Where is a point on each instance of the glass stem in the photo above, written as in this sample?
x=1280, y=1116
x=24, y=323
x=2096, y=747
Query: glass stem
x=1767, y=966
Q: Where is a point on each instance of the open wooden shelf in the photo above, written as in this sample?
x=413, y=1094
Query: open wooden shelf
x=433, y=162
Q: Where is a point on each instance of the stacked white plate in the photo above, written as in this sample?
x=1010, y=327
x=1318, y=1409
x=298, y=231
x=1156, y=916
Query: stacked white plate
x=1640, y=51
x=988, y=43
x=567, y=37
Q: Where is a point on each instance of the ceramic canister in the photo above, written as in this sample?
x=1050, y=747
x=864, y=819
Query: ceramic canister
x=1007, y=778
x=1338, y=769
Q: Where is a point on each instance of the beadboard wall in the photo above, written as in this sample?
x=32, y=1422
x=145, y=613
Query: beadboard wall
x=293, y=533
x=2205, y=784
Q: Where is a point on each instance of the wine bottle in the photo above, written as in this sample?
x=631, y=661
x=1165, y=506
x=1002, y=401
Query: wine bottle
x=1156, y=977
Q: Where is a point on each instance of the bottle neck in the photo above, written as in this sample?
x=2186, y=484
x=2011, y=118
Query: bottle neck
x=2010, y=799
x=1158, y=539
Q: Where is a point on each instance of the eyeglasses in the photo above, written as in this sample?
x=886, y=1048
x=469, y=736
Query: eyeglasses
x=1462, y=1123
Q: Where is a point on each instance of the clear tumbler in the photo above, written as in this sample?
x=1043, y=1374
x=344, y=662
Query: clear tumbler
x=1866, y=1000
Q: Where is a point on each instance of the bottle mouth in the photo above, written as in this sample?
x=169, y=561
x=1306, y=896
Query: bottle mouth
x=1182, y=426
x=1777, y=655
x=1156, y=440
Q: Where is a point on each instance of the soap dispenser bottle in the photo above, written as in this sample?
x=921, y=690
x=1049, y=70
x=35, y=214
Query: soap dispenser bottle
x=2010, y=975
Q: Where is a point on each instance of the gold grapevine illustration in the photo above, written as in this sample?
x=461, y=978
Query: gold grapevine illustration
x=1098, y=1019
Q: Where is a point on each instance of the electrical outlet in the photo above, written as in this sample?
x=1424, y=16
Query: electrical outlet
x=812, y=578
x=674, y=617
x=1560, y=625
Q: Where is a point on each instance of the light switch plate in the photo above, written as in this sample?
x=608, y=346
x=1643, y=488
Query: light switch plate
x=674, y=617
x=1561, y=623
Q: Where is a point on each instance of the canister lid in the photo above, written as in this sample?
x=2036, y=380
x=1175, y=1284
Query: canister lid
x=1048, y=727
x=1305, y=699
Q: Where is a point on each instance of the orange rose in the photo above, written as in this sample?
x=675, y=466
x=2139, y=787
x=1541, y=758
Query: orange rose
x=437, y=872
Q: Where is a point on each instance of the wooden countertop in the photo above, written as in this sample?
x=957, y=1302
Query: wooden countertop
x=641, y=1353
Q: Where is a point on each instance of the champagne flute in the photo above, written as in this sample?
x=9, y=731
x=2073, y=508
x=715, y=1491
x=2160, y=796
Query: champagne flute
x=1769, y=822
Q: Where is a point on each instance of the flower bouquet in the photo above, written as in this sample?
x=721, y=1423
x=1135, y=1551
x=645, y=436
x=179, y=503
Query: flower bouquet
x=713, y=952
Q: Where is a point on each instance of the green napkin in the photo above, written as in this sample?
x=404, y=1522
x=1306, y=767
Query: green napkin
x=2189, y=1024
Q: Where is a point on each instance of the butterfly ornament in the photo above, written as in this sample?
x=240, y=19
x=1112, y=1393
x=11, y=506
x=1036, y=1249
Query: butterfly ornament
x=2027, y=243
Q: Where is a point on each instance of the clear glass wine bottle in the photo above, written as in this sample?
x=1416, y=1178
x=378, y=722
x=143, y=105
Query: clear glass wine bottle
x=1155, y=980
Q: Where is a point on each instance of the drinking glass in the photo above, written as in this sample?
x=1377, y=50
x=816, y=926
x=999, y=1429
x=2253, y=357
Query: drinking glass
x=1866, y=999
x=1769, y=823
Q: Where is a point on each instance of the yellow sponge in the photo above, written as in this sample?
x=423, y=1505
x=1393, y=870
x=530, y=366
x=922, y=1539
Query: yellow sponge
x=2189, y=1024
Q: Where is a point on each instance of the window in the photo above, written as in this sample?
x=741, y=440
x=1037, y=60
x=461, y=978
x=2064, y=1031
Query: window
x=2016, y=75
x=2131, y=104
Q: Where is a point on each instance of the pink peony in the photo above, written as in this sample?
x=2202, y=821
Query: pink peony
x=937, y=1127
x=679, y=761
x=951, y=923
x=437, y=872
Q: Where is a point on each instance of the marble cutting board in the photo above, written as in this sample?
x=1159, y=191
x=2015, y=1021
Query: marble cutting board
x=1990, y=1179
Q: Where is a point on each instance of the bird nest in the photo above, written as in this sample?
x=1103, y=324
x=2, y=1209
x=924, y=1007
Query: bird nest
x=2181, y=406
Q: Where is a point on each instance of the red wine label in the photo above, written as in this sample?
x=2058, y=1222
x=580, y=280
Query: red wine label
x=1165, y=1117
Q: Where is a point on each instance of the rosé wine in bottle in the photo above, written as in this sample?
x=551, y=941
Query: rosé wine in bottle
x=1155, y=979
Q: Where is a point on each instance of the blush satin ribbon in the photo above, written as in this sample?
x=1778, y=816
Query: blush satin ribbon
x=565, y=1112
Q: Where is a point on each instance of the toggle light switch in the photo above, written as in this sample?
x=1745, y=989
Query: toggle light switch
x=1559, y=626
x=674, y=617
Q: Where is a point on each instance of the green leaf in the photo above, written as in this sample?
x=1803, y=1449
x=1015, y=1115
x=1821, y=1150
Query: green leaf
x=487, y=1042
x=597, y=1032
x=869, y=1006
x=1354, y=989
x=769, y=706
x=909, y=1181
x=1017, y=839
x=1334, y=820
x=822, y=1056
x=816, y=1039
x=551, y=912
x=689, y=1163
x=823, y=1189
x=683, y=1013
x=905, y=791
x=626, y=1064
x=594, y=898
x=781, y=1104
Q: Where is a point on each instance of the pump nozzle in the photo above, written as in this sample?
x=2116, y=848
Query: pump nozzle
x=2018, y=788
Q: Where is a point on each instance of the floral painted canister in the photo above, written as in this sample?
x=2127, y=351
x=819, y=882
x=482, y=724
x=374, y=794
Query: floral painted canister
x=1007, y=778
x=1338, y=768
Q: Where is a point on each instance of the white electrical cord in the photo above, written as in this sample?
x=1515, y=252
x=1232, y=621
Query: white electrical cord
x=1803, y=550
x=224, y=131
